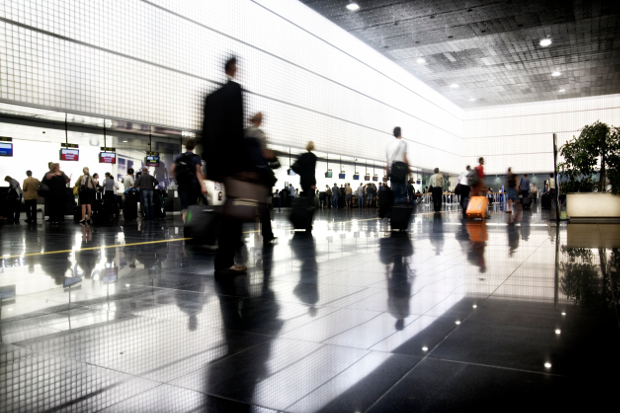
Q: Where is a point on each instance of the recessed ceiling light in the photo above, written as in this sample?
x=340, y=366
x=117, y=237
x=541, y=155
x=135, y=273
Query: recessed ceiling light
x=545, y=42
x=421, y=60
x=472, y=99
x=556, y=74
x=353, y=6
x=562, y=90
x=548, y=365
x=125, y=141
x=454, y=85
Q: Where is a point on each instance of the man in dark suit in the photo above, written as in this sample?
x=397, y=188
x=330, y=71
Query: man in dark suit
x=222, y=135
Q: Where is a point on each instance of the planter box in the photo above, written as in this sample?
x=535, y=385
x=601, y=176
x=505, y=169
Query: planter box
x=593, y=205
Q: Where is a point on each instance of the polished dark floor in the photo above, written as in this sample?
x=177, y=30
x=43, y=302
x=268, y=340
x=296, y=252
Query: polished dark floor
x=514, y=313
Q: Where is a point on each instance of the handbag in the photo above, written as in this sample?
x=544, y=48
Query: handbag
x=399, y=172
x=43, y=190
x=243, y=198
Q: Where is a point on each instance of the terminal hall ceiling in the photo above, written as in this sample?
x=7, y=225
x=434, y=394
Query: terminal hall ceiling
x=488, y=52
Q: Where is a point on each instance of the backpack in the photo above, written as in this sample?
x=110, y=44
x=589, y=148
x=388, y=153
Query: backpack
x=185, y=170
x=472, y=177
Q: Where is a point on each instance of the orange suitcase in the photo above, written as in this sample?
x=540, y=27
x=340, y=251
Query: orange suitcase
x=477, y=207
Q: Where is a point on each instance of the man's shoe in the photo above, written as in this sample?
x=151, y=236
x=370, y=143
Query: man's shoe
x=234, y=269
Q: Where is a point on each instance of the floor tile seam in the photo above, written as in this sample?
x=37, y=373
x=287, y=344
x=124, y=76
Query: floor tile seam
x=107, y=408
x=504, y=368
x=516, y=269
x=329, y=381
x=212, y=394
x=349, y=329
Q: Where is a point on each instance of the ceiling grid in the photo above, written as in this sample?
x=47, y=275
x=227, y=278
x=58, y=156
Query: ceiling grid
x=491, y=48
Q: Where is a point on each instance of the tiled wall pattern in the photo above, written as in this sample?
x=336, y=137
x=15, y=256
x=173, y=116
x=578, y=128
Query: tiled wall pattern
x=153, y=62
x=521, y=136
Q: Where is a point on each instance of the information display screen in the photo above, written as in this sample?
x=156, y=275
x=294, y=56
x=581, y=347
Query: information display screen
x=375, y=178
x=291, y=172
x=341, y=176
x=367, y=178
x=152, y=160
x=6, y=149
x=107, y=157
x=69, y=154
x=328, y=174
x=356, y=177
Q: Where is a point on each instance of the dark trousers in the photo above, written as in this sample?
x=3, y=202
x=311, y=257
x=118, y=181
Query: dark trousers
x=31, y=209
x=464, y=197
x=265, y=222
x=228, y=241
x=15, y=208
x=437, y=195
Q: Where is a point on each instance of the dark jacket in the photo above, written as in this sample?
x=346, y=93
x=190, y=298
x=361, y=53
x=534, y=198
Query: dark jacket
x=222, y=133
x=305, y=167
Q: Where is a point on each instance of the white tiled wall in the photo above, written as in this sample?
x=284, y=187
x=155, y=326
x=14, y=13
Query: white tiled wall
x=521, y=136
x=153, y=62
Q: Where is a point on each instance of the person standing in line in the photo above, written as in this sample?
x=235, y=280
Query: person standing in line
x=223, y=136
x=479, y=186
x=511, y=191
x=307, y=167
x=524, y=186
x=187, y=172
x=256, y=144
x=348, y=193
x=551, y=186
x=146, y=184
x=397, y=167
x=86, y=194
x=128, y=181
x=360, y=197
x=436, y=185
x=14, y=199
x=56, y=182
x=335, y=193
x=464, y=189
x=109, y=196
x=328, y=196
x=410, y=192
x=30, y=197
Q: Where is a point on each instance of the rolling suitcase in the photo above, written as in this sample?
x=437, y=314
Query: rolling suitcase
x=158, y=204
x=130, y=207
x=77, y=213
x=477, y=207
x=302, y=213
x=545, y=201
x=400, y=216
x=526, y=202
x=202, y=224
x=386, y=200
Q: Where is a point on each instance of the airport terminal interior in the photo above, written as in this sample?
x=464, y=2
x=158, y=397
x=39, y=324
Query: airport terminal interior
x=514, y=309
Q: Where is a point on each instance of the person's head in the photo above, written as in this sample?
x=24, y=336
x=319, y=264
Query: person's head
x=257, y=119
x=85, y=170
x=290, y=185
x=468, y=168
x=230, y=67
x=481, y=160
x=436, y=170
x=550, y=175
x=190, y=144
x=310, y=146
x=95, y=175
x=49, y=165
x=509, y=169
x=55, y=167
x=145, y=170
x=525, y=175
x=130, y=171
x=396, y=132
x=107, y=174
x=29, y=173
x=7, y=178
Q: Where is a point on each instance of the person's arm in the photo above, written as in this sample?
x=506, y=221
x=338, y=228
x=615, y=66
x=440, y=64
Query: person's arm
x=172, y=169
x=201, y=181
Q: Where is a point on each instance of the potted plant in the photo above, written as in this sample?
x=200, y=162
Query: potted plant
x=595, y=151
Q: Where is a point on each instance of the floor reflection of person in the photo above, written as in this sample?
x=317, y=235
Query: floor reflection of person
x=307, y=290
x=478, y=237
x=394, y=253
x=437, y=234
x=246, y=313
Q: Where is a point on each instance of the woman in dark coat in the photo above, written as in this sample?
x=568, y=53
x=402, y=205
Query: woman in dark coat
x=57, y=193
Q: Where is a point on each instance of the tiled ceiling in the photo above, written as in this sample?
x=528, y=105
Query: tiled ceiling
x=491, y=48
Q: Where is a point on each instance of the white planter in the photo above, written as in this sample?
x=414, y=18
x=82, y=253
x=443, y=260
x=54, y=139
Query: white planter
x=593, y=205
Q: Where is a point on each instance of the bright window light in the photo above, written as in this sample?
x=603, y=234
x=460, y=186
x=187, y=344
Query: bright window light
x=556, y=74
x=454, y=85
x=545, y=42
x=421, y=61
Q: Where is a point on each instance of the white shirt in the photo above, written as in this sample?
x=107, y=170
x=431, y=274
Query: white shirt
x=463, y=178
x=396, y=151
x=128, y=182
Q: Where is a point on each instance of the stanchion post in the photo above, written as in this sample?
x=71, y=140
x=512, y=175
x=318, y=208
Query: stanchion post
x=555, y=178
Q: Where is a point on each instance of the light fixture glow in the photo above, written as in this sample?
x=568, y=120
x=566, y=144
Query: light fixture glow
x=545, y=42
x=562, y=90
x=563, y=313
x=454, y=85
x=457, y=322
x=556, y=74
x=472, y=99
x=353, y=6
x=558, y=331
x=474, y=306
x=424, y=348
x=548, y=365
x=125, y=141
x=421, y=60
